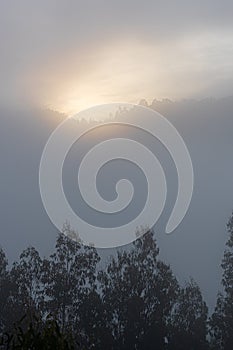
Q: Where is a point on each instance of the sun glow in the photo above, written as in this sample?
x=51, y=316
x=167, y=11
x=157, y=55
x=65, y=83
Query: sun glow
x=128, y=72
x=121, y=73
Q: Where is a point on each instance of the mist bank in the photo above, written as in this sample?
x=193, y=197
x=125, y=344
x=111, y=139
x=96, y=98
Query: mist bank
x=194, y=249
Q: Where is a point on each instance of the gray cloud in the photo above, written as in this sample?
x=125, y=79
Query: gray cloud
x=42, y=39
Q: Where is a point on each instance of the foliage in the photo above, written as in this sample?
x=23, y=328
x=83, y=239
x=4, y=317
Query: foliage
x=222, y=319
x=37, y=335
x=188, y=325
x=132, y=301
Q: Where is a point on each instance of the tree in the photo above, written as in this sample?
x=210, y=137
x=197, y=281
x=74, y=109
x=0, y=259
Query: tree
x=4, y=290
x=138, y=293
x=69, y=280
x=26, y=287
x=188, y=324
x=133, y=302
x=34, y=333
x=222, y=319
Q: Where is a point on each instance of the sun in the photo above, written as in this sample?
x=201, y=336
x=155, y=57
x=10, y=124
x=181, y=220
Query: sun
x=119, y=73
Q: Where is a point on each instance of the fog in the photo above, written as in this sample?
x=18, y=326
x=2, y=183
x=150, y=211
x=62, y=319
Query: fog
x=195, y=248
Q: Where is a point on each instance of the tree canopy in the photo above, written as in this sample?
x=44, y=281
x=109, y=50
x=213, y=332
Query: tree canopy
x=76, y=300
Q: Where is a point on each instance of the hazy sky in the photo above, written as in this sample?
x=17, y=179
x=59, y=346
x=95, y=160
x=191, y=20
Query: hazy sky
x=69, y=55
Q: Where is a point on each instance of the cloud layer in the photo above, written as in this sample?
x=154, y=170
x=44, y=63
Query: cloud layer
x=70, y=55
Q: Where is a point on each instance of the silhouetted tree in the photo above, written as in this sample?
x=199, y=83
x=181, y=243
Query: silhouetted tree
x=133, y=301
x=222, y=318
x=34, y=334
x=188, y=323
x=138, y=294
x=4, y=290
x=69, y=280
x=26, y=288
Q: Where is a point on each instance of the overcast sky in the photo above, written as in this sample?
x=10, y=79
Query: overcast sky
x=68, y=55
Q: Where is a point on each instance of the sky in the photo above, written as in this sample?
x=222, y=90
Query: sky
x=70, y=55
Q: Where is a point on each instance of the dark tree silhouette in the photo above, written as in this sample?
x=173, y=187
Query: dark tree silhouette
x=138, y=295
x=70, y=290
x=188, y=324
x=4, y=290
x=26, y=287
x=222, y=319
x=74, y=300
x=34, y=334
